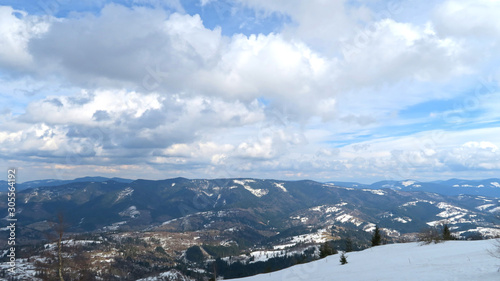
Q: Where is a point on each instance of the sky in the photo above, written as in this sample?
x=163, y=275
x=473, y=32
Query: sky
x=285, y=89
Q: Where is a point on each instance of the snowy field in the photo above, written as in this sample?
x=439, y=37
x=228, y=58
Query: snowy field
x=453, y=260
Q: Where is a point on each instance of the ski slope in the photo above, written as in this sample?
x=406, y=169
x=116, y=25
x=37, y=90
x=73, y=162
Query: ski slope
x=452, y=260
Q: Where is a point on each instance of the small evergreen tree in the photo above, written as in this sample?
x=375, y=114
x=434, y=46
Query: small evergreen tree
x=447, y=233
x=343, y=258
x=376, y=238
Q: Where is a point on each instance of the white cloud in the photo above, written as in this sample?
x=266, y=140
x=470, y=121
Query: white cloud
x=16, y=30
x=134, y=86
x=468, y=18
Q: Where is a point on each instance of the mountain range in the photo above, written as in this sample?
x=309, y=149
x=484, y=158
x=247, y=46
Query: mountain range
x=53, y=182
x=230, y=217
x=451, y=187
x=486, y=187
x=264, y=206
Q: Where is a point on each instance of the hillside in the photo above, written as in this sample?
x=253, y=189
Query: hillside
x=453, y=260
x=242, y=226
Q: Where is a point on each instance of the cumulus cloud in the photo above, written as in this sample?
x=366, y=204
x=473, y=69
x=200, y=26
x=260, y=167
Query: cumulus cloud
x=147, y=86
x=17, y=28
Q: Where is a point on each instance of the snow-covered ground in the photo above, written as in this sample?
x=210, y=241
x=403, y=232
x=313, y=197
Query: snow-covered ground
x=453, y=260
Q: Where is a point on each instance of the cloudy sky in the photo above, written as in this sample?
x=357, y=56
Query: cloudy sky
x=284, y=89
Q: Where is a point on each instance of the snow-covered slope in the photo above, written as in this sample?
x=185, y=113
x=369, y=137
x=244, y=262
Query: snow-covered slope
x=453, y=260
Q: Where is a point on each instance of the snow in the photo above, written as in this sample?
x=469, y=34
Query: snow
x=485, y=231
x=402, y=220
x=24, y=270
x=375, y=191
x=407, y=183
x=370, y=227
x=265, y=255
x=256, y=192
x=281, y=247
x=114, y=226
x=495, y=184
x=484, y=207
x=72, y=242
x=450, y=210
x=325, y=209
x=280, y=186
x=345, y=218
x=320, y=236
x=124, y=193
x=414, y=203
x=494, y=210
x=169, y=275
x=130, y=212
x=452, y=260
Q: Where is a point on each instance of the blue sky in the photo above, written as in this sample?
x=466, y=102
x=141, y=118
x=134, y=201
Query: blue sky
x=339, y=90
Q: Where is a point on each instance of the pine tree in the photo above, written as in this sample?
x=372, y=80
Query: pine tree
x=376, y=238
x=326, y=249
x=447, y=233
x=343, y=258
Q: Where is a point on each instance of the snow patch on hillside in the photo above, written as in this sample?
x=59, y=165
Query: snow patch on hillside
x=257, y=192
x=124, y=193
x=407, y=183
x=114, y=226
x=402, y=220
x=484, y=207
x=370, y=227
x=29, y=196
x=320, y=236
x=450, y=210
x=494, y=210
x=169, y=275
x=326, y=209
x=130, y=212
x=414, y=203
x=495, y=184
x=485, y=231
x=346, y=218
x=375, y=191
x=280, y=186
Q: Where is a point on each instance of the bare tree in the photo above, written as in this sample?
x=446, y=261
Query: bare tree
x=60, y=232
x=429, y=235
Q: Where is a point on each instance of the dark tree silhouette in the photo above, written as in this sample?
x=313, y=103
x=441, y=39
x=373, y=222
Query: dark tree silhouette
x=348, y=244
x=326, y=249
x=376, y=238
x=343, y=258
x=447, y=233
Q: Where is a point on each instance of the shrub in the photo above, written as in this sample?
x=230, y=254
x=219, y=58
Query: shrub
x=429, y=235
